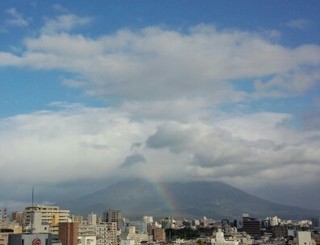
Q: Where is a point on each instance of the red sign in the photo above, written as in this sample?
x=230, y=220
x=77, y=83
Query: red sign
x=36, y=241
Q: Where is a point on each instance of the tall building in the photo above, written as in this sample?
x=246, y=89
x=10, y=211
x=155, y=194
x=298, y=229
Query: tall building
x=46, y=214
x=113, y=216
x=251, y=226
x=92, y=219
x=315, y=222
x=158, y=234
x=68, y=233
x=107, y=233
x=37, y=225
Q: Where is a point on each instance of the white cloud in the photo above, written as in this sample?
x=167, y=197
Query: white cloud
x=160, y=64
x=298, y=23
x=64, y=23
x=295, y=82
x=78, y=143
x=167, y=125
x=74, y=83
x=8, y=58
x=51, y=146
x=59, y=8
x=16, y=18
x=242, y=151
x=257, y=126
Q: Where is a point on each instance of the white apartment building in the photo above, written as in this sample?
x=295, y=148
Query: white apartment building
x=148, y=219
x=274, y=221
x=36, y=225
x=132, y=235
x=304, y=238
x=45, y=215
x=87, y=230
x=218, y=239
x=127, y=242
x=92, y=219
x=87, y=240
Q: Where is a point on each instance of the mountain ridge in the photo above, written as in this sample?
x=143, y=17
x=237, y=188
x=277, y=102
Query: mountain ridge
x=138, y=197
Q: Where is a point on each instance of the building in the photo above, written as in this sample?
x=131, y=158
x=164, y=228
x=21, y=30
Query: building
x=251, y=226
x=315, y=222
x=128, y=237
x=158, y=234
x=37, y=225
x=135, y=231
x=218, y=239
x=92, y=219
x=304, y=238
x=127, y=242
x=148, y=219
x=11, y=227
x=50, y=215
x=107, y=233
x=32, y=239
x=68, y=233
x=86, y=230
x=4, y=236
x=140, y=226
x=76, y=218
x=86, y=240
x=279, y=231
x=17, y=217
x=168, y=223
x=114, y=216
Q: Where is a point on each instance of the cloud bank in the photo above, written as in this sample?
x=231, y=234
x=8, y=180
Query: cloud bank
x=166, y=92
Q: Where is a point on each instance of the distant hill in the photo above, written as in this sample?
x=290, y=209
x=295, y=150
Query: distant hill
x=192, y=199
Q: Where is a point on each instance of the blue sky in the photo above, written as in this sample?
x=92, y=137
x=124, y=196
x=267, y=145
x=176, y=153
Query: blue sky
x=163, y=90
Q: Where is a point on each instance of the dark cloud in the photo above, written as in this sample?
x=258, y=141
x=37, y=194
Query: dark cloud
x=171, y=135
x=133, y=160
x=136, y=145
x=310, y=120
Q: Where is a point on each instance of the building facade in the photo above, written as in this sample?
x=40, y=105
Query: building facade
x=46, y=215
x=68, y=233
x=113, y=216
x=30, y=239
x=251, y=226
x=107, y=233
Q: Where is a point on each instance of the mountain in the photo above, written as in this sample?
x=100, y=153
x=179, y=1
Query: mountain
x=191, y=199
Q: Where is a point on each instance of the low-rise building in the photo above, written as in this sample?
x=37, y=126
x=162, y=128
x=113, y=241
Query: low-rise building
x=218, y=239
x=30, y=238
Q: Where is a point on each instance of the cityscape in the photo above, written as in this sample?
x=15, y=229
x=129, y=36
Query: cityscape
x=51, y=225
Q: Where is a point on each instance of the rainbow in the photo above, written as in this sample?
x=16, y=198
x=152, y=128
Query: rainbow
x=168, y=199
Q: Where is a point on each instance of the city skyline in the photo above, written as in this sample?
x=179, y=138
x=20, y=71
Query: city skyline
x=92, y=93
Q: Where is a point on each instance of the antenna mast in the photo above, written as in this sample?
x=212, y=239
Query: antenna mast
x=32, y=210
x=32, y=195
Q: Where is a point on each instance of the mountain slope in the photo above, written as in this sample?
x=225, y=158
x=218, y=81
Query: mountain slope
x=192, y=199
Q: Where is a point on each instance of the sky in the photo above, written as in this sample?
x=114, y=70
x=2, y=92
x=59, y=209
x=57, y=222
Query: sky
x=93, y=92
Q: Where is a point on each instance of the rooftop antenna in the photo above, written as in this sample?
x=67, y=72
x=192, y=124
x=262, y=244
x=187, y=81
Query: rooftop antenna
x=32, y=197
x=32, y=210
